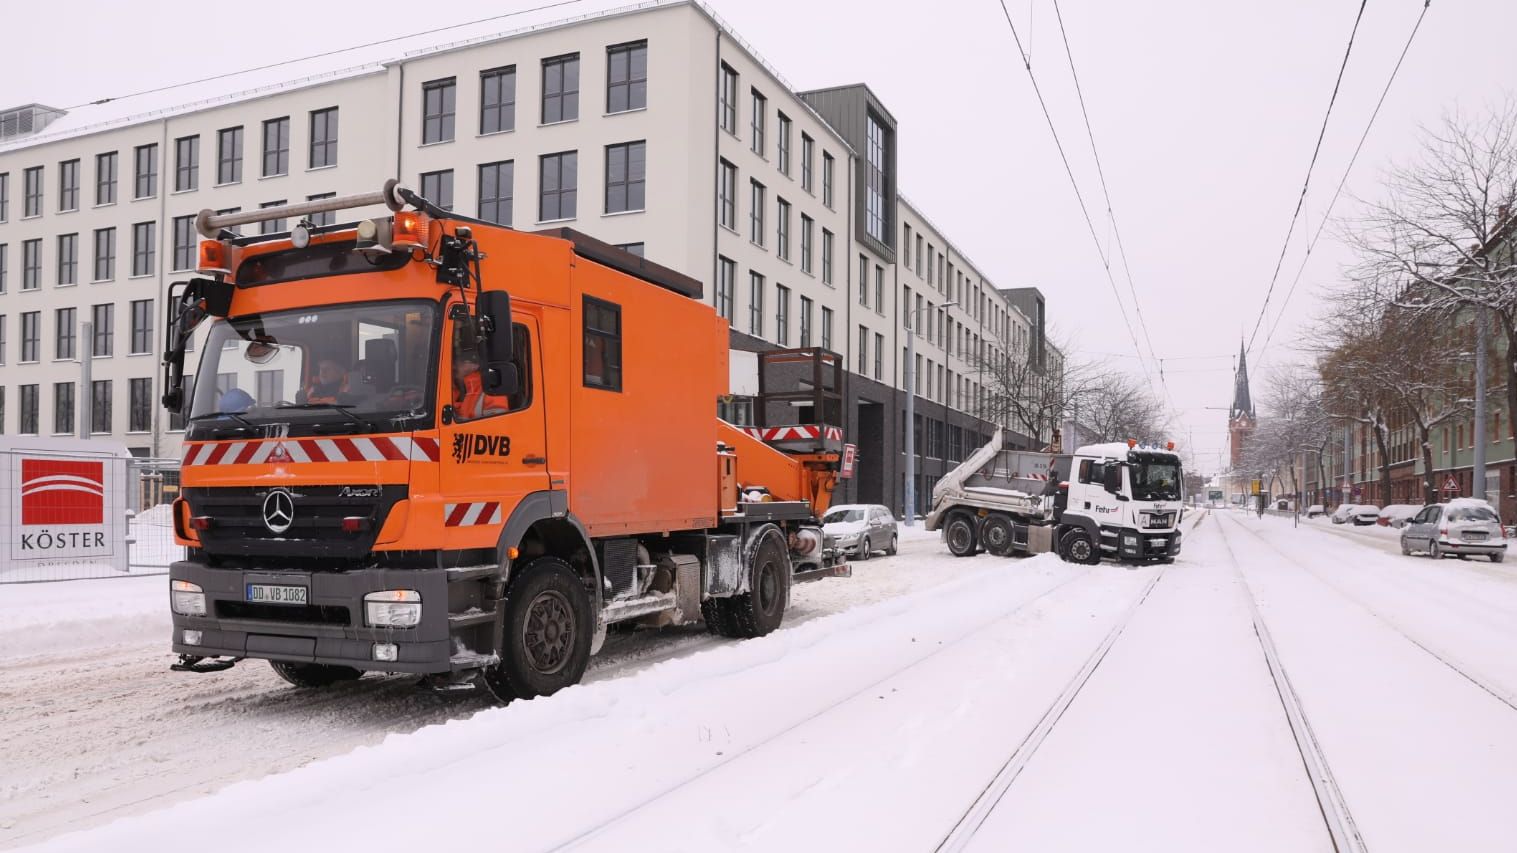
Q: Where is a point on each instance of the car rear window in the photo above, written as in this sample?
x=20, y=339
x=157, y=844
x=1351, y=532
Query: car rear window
x=1471, y=513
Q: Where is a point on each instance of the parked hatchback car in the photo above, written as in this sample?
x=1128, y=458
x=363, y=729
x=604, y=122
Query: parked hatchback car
x=1397, y=515
x=1461, y=527
x=1315, y=510
x=1364, y=514
x=861, y=529
x=1342, y=513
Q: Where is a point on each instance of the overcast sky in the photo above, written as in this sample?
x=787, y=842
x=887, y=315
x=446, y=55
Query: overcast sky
x=1205, y=112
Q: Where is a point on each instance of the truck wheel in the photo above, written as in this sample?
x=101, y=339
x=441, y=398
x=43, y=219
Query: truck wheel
x=718, y=617
x=314, y=674
x=961, y=538
x=759, y=611
x=1077, y=548
x=996, y=534
x=549, y=626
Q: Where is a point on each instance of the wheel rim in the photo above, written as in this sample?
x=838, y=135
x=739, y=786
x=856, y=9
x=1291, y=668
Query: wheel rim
x=995, y=535
x=548, y=632
x=959, y=535
x=768, y=587
x=1080, y=549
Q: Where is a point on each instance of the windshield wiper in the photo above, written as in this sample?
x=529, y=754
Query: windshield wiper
x=347, y=411
x=247, y=425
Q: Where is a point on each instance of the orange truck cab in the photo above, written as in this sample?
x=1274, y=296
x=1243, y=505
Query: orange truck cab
x=427, y=444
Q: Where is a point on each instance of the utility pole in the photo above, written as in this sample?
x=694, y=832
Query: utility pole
x=911, y=408
x=1477, y=479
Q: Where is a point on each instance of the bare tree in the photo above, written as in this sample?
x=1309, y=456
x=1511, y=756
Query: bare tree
x=1031, y=398
x=1296, y=422
x=1117, y=407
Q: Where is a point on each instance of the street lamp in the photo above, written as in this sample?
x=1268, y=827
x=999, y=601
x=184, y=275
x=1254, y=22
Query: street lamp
x=911, y=421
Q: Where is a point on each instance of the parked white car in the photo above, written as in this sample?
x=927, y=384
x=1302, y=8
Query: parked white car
x=1397, y=515
x=1315, y=510
x=1342, y=513
x=861, y=529
x=1462, y=527
x=1365, y=514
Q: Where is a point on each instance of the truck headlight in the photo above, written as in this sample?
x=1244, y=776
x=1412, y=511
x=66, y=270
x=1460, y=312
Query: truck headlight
x=1129, y=541
x=392, y=608
x=186, y=599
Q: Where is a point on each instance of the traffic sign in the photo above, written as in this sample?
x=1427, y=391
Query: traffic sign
x=1451, y=485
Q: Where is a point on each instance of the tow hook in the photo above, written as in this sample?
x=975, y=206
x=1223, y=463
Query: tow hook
x=192, y=663
x=462, y=682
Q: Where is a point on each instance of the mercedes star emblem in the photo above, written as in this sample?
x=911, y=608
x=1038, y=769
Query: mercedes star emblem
x=278, y=511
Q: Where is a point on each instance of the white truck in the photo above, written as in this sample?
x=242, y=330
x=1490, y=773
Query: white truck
x=1120, y=500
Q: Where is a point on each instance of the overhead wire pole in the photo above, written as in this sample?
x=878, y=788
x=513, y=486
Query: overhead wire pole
x=1306, y=184
x=1079, y=197
x=1342, y=182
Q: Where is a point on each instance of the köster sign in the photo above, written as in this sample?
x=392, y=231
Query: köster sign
x=63, y=503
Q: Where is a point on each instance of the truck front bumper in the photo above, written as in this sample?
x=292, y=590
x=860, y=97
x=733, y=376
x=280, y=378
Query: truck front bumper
x=1147, y=545
x=329, y=629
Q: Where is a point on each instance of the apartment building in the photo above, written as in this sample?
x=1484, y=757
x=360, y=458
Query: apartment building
x=655, y=128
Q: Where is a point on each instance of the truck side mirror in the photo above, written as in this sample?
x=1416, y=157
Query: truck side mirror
x=1113, y=477
x=498, y=372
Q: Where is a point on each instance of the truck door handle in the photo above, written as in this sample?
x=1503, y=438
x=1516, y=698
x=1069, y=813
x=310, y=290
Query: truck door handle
x=534, y=460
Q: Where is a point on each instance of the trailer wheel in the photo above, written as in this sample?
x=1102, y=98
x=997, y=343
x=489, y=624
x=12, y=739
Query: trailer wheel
x=314, y=674
x=1077, y=548
x=549, y=626
x=961, y=538
x=996, y=534
x=759, y=611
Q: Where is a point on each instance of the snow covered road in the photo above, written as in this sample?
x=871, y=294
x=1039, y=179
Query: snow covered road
x=928, y=703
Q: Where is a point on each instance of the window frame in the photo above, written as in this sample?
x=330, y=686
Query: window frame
x=501, y=107
x=106, y=177
x=229, y=151
x=564, y=96
x=613, y=350
x=630, y=84
x=628, y=182
x=326, y=143
x=445, y=119
x=509, y=199
x=543, y=192
x=187, y=163
x=68, y=185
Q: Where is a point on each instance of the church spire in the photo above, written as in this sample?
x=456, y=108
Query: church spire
x=1242, y=404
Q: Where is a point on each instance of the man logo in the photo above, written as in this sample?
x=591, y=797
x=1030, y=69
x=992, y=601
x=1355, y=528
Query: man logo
x=62, y=492
x=278, y=511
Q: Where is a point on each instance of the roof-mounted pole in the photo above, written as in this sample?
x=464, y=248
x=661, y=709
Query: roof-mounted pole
x=210, y=223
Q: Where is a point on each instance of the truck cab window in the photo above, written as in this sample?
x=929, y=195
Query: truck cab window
x=603, y=344
x=470, y=402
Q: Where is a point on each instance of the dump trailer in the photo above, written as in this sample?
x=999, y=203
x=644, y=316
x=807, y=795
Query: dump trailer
x=1118, y=500
x=422, y=443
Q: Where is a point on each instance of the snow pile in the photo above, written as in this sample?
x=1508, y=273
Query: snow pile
x=38, y=618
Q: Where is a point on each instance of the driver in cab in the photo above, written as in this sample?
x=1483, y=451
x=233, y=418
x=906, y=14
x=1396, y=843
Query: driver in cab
x=470, y=401
x=329, y=383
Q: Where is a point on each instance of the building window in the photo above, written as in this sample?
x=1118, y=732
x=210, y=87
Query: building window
x=760, y=114
x=756, y=215
x=826, y=328
x=496, y=191
x=558, y=176
x=906, y=246
x=826, y=256
x=755, y=304
x=4, y=270
x=561, y=88
x=5, y=202
x=105, y=254
x=100, y=405
x=268, y=226
x=68, y=259
x=144, y=240
x=105, y=178
x=783, y=143
x=323, y=138
x=31, y=192
x=627, y=77
x=140, y=415
x=863, y=354
x=145, y=171
x=142, y=326
x=186, y=163
x=879, y=288
x=68, y=185
x=806, y=309
x=29, y=404
x=31, y=264
x=437, y=110
x=626, y=165
x=31, y=336
x=782, y=315
x=324, y=218
x=919, y=256
x=437, y=187
x=807, y=226
x=727, y=195
x=875, y=219
x=63, y=408
x=497, y=100
x=808, y=151
x=728, y=111
x=2, y=343
x=603, y=344
x=103, y=330
x=879, y=355
x=864, y=280
x=827, y=179
x=632, y=248
x=726, y=283
x=229, y=155
x=66, y=336
x=184, y=243
x=269, y=387
x=276, y=147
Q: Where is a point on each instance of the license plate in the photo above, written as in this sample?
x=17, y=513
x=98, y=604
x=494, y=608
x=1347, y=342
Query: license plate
x=263, y=593
x=1474, y=537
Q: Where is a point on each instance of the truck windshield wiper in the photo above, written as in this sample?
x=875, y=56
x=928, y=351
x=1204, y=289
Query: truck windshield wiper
x=347, y=411
x=247, y=425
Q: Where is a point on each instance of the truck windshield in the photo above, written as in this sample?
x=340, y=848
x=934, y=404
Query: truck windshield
x=354, y=363
x=1156, y=481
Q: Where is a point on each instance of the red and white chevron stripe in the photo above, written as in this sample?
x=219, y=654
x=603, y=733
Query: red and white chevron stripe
x=383, y=448
x=789, y=433
x=471, y=514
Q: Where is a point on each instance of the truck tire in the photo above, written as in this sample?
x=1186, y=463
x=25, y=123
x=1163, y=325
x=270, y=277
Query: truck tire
x=314, y=674
x=549, y=626
x=995, y=533
x=1076, y=547
x=718, y=616
x=962, y=541
x=760, y=610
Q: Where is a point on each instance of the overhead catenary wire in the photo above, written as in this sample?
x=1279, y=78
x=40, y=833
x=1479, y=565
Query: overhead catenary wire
x=1342, y=182
x=1306, y=184
x=324, y=54
x=1079, y=197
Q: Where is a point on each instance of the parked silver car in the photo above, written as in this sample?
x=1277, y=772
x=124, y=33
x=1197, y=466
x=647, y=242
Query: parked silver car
x=861, y=529
x=1459, y=527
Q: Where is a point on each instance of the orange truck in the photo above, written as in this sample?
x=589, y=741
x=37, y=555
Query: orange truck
x=428, y=444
